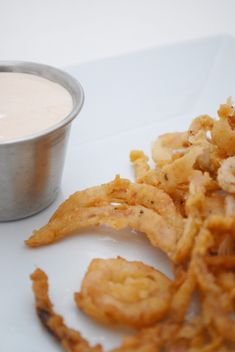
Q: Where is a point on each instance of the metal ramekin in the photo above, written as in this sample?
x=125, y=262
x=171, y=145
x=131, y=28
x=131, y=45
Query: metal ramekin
x=31, y=167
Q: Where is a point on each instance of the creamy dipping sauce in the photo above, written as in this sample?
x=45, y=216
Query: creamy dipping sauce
x=30, y=104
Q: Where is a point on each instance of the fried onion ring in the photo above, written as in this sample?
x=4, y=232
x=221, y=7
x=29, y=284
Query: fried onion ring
x=118, y=217
x=117, y=291
x=123, y=191
x=185, y=206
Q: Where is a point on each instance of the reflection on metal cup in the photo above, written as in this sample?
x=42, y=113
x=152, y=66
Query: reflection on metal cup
x=31, y=167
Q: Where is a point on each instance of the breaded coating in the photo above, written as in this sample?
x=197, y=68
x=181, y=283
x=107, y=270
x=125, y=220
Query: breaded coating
x=185, y=205
x=70, y=339
x=125, y=192
x=117, y=291
x=138, y=218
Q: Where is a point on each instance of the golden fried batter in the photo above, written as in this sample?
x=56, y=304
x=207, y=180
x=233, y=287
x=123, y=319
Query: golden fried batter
x=226, y=175
x=224, y=137
x=123, y=191
x=140, y=163
x=200, y=124
x=185, y=206
x=117, y=291
x=167, y=145
x=70, y=339
x=118, y=217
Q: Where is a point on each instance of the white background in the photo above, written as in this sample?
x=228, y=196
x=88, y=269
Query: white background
x=64, y=32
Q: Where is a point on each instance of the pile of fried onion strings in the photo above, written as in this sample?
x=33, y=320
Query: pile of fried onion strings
x=184, y=205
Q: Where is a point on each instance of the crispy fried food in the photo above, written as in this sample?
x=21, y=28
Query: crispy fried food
x=219, y=317
x=173, y=177
x=123, y=191
x=229, y=205
x=169, y=145
x=167, y=334
x=186, y=241
x=70, y=339
x=185, y=205
x=200, y=125
x=140, y=163
x=199, y=134
x=180, y=170
x=191, y=336
x=224, y=137
x=117, y=291
x=223, y=134
x=143, y=208
x=216, y=303
x=148, y=340
x=226, y=280
x=137, y=217
x=225, y=261
x=226, y=111
x=226, y=175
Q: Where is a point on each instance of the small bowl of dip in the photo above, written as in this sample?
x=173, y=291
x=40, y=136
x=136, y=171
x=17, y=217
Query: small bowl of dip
x=37, y=105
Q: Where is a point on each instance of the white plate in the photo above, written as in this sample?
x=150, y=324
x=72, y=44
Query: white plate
x=129, y=101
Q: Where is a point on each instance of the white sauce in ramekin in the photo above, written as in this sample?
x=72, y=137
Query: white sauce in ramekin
x=30, y=104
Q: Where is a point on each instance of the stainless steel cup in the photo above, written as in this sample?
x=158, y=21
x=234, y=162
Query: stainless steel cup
x=31, y=167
